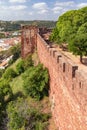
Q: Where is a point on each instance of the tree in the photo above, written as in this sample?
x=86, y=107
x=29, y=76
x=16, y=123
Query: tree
x=20, y=67
x=71, y=28
x=5, y=94
x=24, y=116
x=68, y=25
x=24, y=64
x=64, y=28
x=55, y=36
x=82, y=29
x=36, y=82
x=4, y=90
x=15, y=51
x=1, y=72
x=9, y=74
x=78, y=45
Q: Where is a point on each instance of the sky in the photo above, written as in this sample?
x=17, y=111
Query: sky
x=37, y=9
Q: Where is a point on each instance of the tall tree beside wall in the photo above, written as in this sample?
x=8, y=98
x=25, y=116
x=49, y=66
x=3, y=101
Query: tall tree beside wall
x=70, y=26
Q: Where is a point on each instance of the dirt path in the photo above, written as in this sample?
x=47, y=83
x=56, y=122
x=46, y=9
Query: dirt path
x=75, y=59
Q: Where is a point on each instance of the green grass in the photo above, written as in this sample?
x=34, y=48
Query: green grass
x=16, y=83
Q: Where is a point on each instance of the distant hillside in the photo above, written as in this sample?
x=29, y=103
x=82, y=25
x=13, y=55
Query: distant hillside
x=16, y=25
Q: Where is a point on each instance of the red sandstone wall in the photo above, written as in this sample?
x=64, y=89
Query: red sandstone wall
x=68, y=89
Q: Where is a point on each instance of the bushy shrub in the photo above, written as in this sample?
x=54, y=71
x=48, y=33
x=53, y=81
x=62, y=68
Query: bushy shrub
x=36, y=82
x=5, y=95
x=9, y=74
x=5, y=90
x=24, y=64
x=20, y=67
x=23, y=116
x=16, y=51
x=1, y=72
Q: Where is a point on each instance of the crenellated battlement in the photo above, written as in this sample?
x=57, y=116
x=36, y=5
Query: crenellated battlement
x=68, y=86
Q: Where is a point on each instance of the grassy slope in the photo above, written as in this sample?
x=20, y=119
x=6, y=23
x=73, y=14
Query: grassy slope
x=43, y=105
x=16, y=83
x=14, y=64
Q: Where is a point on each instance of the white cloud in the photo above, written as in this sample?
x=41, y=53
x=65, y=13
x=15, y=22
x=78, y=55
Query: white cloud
x=65, y=4
x=17, y=1
x=30, y=13
x=42, y=11
x=18, y=7
x=81, y=5
x=40, y=6
x=57, y=9
x=11, y=8
x=61, y=7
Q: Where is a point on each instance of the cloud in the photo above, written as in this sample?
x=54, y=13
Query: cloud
x=65, y=4
x=42, y=11
x=57, y=9
x=41, y=7
x=17, y=1
x=18, y=7
x=61, y=7
x=30, y=13
x=11, y=8
x=81, y=5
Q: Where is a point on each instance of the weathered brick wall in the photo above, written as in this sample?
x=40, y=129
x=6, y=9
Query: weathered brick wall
x=68, y=88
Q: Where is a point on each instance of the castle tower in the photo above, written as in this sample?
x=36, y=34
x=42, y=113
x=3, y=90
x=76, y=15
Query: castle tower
x=28, y=40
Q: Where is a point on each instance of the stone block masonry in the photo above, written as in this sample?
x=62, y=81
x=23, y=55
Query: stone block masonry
x=68, y=87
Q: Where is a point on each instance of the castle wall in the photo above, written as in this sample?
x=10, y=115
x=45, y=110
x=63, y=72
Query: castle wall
x=68, y=84
x=28, y=38
x=68, y=87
